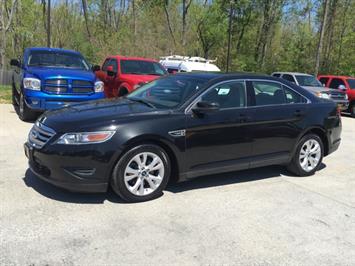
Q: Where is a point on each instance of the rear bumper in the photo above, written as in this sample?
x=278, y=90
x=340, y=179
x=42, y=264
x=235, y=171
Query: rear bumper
x=334, y=134
x=41, y=101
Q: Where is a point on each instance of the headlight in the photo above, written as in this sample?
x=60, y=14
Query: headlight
x=85, y=137
x=99, y=86
x=323, y=95
x=32, y=84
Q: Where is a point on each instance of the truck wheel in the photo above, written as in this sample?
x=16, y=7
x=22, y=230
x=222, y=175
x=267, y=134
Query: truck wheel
x=14, y=96
x=352, y=109
x=141, y=174
x=25, y=113
x=122, y=92
x=308, y=156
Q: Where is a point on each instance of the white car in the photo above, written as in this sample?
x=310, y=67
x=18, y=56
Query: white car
x=177, y=63
x=312, y=84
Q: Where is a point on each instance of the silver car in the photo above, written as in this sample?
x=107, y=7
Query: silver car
x=310, y=83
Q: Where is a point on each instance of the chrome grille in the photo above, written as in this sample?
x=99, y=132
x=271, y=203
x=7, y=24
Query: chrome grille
x=82, y=90
x=337, y=95
x=82, y=83
x=57, y=81
x=40, y=135
x=56, y=89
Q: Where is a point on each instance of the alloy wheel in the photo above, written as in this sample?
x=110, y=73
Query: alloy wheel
x=22, y=102
x=310, y=155
x=144, y=173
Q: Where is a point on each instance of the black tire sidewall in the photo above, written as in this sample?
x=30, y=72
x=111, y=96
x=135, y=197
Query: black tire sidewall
x=296, y=166
x=117, y=180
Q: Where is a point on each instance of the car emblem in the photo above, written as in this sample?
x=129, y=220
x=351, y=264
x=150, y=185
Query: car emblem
x=178, y=133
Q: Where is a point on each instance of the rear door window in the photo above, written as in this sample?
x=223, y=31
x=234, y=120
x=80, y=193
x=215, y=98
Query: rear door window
x=268, y=93
x=289, y=78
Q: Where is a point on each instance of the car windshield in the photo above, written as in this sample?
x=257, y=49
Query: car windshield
x=351, y=83
x=57, y=59
x=308, y=81
x=168, y=92
x=141, y=67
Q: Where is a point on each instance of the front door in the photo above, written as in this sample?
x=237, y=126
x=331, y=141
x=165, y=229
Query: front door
x=219, y=141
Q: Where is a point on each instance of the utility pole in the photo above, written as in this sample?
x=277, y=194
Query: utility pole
x=49, y=24
x=229, y=34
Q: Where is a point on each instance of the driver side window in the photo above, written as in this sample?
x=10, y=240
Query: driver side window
x=227, y=95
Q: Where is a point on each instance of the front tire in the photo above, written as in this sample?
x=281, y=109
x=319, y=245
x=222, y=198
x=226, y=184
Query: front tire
x=25, y=113
x=308, y=156
x=141, y=174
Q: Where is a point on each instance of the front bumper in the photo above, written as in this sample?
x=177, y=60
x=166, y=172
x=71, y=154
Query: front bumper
x=342, y=104
x=41, y=101
x=81, y=171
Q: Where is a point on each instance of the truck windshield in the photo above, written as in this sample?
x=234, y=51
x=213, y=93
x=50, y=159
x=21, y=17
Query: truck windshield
x=57, y=59
x=351, y=83
x=169, y=92
x=308, y=81
x=140, y=67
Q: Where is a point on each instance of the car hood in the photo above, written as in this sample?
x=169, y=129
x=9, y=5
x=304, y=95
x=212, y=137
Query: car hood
x=96, y=114
x=140, y=78
x=319, y=89
x=65, y=73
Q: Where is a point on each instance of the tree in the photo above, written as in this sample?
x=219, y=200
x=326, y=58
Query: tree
x=321, y=36
x=7, y=11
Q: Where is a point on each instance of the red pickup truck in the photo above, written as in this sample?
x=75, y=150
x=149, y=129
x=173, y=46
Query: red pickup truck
x=122, y=74
x=344, y=83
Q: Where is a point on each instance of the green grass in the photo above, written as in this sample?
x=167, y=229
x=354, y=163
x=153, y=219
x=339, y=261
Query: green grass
x=5, y=94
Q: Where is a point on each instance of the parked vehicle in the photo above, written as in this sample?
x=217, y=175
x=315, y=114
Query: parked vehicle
x=183, y=126
x=343, y=83
x=121, y=75
x=177, y=63
x=310, y=83
x=50, y=78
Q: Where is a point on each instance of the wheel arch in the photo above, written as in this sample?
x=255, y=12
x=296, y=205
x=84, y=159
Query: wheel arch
x=319, y=132
x=158, y=141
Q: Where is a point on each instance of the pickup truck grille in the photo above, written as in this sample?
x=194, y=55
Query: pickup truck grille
x=337, y=95
x=68, y=86
x=40, y=135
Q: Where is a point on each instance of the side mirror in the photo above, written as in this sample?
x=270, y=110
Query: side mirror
x=95, y=68
x=110, y=71
x=342, y=88
x=205, y=107
x=15, y=62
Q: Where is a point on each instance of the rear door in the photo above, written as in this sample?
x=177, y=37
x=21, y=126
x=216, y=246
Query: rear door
x=277, y=121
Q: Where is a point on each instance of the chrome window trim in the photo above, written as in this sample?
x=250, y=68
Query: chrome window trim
x=189, y=107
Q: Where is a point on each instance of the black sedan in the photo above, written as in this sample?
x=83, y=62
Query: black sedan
x=179, y=127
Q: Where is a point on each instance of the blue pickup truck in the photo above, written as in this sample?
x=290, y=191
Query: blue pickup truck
x=50, y=78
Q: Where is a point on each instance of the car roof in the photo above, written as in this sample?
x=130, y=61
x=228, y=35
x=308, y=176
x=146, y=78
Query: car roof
x=292, y=73
x=220, y=76
x=119, y=57
x=52, y=50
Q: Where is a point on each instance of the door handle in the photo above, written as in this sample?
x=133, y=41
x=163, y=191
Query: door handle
x=299, y=113
x=244, y=118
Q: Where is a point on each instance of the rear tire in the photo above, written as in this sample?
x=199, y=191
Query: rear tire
x=141, y=174
x=308, y=156
x=25, y=113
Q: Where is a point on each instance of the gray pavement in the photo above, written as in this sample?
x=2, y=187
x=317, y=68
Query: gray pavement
x=255, y=217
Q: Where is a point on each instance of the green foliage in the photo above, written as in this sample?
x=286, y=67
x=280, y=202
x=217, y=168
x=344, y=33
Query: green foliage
x=267, y=35
x=5, y=94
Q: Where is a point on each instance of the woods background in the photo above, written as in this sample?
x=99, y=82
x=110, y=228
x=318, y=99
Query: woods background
x=266, y=35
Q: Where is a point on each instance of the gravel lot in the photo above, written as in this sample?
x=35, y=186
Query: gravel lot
x=261, y=216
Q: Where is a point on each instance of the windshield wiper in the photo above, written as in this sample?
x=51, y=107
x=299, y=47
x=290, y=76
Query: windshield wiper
x=140, y=100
